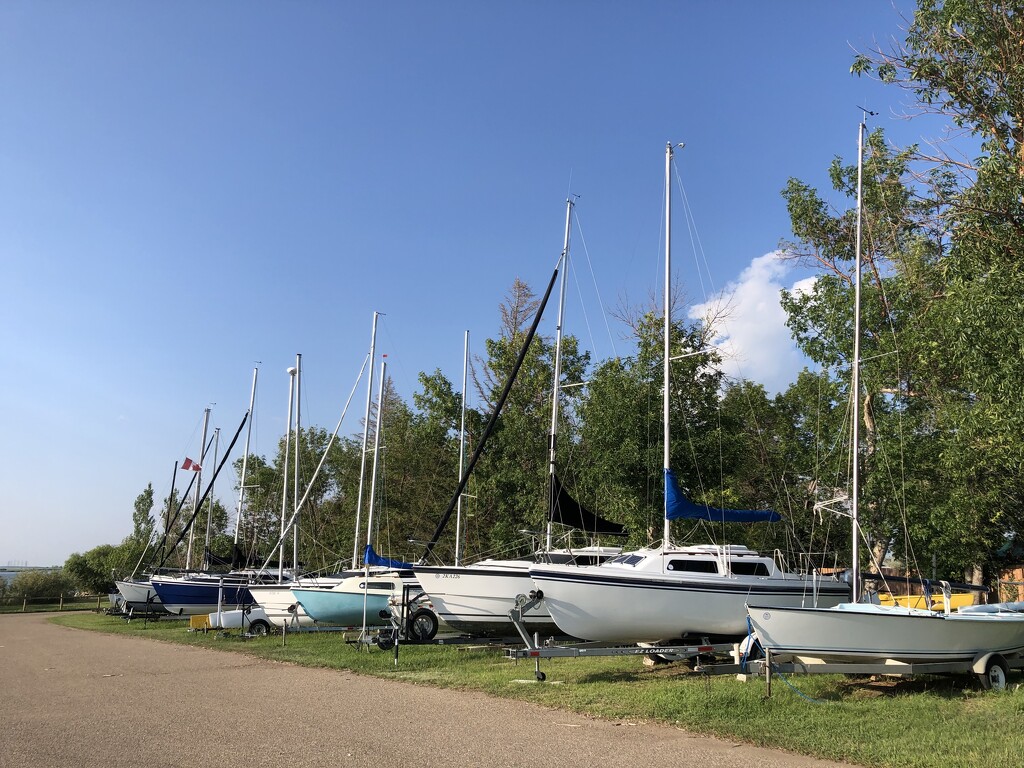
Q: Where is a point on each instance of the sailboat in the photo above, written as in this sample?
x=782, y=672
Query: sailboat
x=278, y=600
x=670, y=592
x=195, y=593
x=137, y=591
x=361, y=599
x=477, y=598
x=859, y=631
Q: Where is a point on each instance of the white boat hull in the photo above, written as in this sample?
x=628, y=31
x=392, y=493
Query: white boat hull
x=139, y=594
x=280, y=605
x=859, y=631
x=477, y=598
x=610, y=604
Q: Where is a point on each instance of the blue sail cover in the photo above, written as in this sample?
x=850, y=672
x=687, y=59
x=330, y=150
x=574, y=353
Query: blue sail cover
x=678, y=506
x=372, y=558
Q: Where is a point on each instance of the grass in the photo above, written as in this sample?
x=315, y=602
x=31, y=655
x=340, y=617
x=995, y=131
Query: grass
x=923, y=722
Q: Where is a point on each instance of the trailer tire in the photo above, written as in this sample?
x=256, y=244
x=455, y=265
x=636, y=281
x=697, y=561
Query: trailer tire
x=260, y=628
x=995, y=674
x=422, y=626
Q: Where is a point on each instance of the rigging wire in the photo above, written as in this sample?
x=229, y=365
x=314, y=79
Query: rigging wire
x=597, y=290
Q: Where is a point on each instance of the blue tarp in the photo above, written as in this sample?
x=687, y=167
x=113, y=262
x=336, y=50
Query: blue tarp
x=678, y=506
x=372, y=558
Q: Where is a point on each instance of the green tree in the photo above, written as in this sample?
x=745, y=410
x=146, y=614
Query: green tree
x=965, y=61
x=900, y=278
x=142, y=518
x=622, y=439
x=94, y=571
x=36, y=584
x=511, y=486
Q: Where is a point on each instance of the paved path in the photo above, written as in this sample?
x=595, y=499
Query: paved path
x=81, y=699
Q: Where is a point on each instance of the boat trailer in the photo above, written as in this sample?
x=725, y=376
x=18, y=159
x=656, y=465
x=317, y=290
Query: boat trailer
x=990, y=668
x=534, y=649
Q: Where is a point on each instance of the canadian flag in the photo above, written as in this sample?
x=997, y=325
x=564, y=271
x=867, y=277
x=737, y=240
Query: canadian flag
x=189, y=464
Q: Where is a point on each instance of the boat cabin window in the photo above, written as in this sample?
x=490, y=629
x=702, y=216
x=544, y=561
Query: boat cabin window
x=693, y=566
x=627, y=559
x=377, y=585
x=741, y=568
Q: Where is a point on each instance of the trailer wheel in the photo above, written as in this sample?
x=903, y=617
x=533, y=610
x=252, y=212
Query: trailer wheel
x=422, y=626
x=541, y=677
x=995, y=674
x=260, y=628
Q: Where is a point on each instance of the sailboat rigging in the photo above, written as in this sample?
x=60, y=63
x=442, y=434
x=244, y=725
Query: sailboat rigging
x=477, y=598
x=669, y=592
x=858, y=631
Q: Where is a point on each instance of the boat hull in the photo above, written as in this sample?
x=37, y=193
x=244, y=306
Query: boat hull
x=355, y=601
x=612, y=605
x=857, y=631
x=476, y=599
x=280, y=605
x=328, y=606
x=139, y=595
x=185, y=597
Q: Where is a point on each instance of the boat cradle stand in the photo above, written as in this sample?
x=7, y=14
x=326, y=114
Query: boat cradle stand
x=991, y=669
x=533, y=649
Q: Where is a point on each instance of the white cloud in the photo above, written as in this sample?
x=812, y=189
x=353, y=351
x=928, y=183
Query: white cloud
x=751, y=324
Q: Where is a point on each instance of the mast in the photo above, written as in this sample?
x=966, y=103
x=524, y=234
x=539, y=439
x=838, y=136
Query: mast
x=245, y=460
x=373, y=486
x=209, y=513
x=668, y=327
x=376, y=451
x=199, y=483
x=855, y=379
x=284, y=472
x=295, y=485
x=462, y=450
x=553, y=434
x=366, y=433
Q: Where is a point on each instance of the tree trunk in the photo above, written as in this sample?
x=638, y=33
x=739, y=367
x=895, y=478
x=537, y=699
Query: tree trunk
x=974, y=575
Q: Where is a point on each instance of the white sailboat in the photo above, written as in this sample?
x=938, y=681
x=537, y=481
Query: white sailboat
x=670, y=592
x=136, y=592
x=859, y=631
x=477, y=598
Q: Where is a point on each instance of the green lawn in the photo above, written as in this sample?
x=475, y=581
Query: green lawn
x=925, y=721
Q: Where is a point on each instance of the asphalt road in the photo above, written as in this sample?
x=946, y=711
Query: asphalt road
x=80, y=699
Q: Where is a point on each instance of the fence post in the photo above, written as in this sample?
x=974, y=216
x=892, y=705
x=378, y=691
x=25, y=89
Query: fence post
x=24, y=604
x=60, y=605
x=97, y=602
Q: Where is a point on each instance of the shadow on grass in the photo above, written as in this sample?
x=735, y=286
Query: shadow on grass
x=609, y=676
x=879, y=686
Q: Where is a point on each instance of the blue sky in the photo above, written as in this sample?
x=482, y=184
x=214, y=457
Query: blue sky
x=188, y=188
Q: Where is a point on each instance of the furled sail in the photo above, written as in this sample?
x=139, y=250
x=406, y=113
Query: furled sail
x=567, y=511
x=678, y=506
x=372, y=558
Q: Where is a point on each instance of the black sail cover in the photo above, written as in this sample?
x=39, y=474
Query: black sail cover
x=567, y=511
